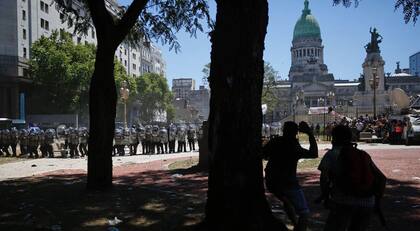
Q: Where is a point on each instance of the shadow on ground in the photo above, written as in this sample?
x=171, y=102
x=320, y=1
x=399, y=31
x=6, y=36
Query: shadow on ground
x=155, y=200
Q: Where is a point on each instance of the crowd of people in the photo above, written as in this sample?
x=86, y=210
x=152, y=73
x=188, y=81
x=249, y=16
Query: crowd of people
x=382, y=128
x=73, y=142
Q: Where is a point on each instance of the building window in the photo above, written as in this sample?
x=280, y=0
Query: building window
x=24, y=34
x=45, y=24
x=134, y=56
x=86, y=43
x=79, y=40
x=62, y=17
x=23, y=15
x=125, y=51
x=134, y=66
x=93, y=33
x=125, y=62
x=44, y=7
x=24, y=52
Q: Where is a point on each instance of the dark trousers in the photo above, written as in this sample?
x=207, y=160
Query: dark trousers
x=172, y=146
x=49, y=150
x=133, y=148
x=83, y=149
x=13, y=146
x=348, y=218
x=181, y=146
x=73, y=150
x=191, y=143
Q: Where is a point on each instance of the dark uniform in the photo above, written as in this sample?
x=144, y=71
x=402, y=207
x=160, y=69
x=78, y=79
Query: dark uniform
x=83, y=139
x=23, y=142
x=49, y=141
x=73, y=140
x=172, y=138
x=191, y=136
x=180, y=136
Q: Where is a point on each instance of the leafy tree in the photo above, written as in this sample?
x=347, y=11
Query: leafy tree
x=411, y=8
x=206, y=74
x=154, y=96
x=269, y=96
x=142, y=20
x=61, y=71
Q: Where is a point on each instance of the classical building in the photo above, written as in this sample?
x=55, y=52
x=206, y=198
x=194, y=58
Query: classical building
x=22, y=22
x=415, y=64
x=308, y=74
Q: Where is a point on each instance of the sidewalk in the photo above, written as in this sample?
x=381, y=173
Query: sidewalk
x=31, y=167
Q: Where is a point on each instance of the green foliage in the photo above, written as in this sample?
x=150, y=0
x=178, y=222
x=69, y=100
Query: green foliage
x=61, y=72
x=159, y=20
x=411, y=8
x=154, y=95
x=206, y=74
x=269, y=93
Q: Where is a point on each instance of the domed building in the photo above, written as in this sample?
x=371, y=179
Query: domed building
x=309, y=81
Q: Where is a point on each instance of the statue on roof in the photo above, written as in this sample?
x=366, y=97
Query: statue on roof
x=375, y=39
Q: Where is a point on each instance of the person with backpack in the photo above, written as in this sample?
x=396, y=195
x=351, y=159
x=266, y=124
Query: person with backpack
x=351, y=184
x=283, y=154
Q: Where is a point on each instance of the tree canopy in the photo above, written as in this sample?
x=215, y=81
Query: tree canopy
x=159, y=20
x=411, y=8
x=269, y=96
x=61, y=71
x=154, y=96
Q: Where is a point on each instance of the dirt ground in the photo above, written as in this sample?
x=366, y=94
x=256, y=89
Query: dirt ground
x=152, y=196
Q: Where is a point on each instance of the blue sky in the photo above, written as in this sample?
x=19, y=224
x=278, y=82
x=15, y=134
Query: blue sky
x=344, y=31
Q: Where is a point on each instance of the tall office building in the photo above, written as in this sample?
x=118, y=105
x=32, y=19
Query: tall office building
x=22, y=22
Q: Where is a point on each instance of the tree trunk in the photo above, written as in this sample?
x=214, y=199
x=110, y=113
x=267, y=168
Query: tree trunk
x=236, y=196
x=102, y=111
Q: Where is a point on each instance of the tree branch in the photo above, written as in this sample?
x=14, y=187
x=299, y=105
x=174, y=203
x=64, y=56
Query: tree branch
x=128, y=20
x=100, y=16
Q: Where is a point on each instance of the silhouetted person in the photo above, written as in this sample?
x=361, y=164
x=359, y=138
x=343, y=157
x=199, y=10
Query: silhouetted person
x=350, y=183
x=283, y=155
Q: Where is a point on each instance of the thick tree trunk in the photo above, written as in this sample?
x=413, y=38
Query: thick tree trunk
x=102, y=110
x=236, y=197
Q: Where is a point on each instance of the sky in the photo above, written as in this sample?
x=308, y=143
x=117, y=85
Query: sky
x=344, y=31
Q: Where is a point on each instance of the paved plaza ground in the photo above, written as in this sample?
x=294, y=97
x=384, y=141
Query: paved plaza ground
x=163, y=192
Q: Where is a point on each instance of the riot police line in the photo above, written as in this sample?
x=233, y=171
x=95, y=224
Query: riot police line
x=155, y=139
x=73, y=142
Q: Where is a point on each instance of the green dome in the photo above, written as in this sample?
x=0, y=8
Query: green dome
x=307, y=26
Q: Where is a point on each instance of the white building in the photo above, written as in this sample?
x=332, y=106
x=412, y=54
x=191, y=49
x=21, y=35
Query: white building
x=22, y=22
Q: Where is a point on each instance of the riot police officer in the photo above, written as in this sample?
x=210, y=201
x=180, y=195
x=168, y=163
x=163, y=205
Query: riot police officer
x=148, y=139
x=155, y=139
x=33, y=143
x=134, y=141
x=13, y=140
x=172, y=138
x=163, y=138
x=191, y=136
x=49, y=141
x=119, y=142
x=180, y=136
x=73, y=142
x=23, y=142
x=83, y=139
x=141, y=136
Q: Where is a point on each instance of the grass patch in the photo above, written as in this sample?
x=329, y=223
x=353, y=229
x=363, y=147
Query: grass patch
x=184, y=164
x=309, y=164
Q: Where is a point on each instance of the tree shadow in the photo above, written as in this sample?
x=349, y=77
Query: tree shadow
x=157, y=200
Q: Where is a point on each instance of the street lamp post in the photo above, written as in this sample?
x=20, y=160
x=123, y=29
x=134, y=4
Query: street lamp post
x=322, y=101
x=124, y=93
x=374, y=84
x=330, y=96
